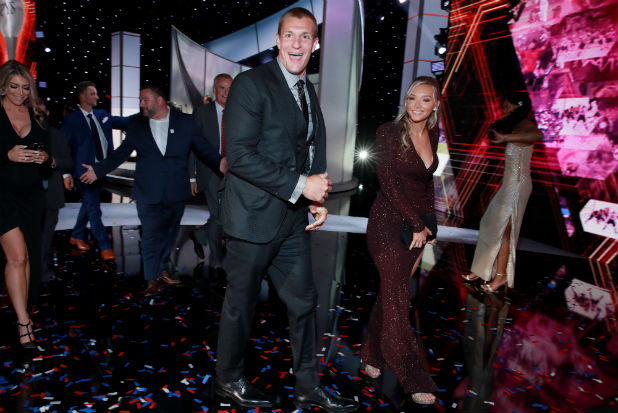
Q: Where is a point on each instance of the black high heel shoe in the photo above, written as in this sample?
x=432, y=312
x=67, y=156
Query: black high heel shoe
x=29, y=345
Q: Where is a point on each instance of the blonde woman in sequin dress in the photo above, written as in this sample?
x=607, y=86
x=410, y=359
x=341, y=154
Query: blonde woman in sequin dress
x=406, y=160
x=494, y=256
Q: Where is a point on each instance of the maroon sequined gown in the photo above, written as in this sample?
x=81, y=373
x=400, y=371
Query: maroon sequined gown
x=406, y=193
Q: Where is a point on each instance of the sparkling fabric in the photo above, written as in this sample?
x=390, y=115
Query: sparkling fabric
x=509, y=204
x=406, y=192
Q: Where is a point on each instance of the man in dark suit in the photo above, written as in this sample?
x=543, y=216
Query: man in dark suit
x=54, y=185
x=162, y=138
x=276, y=151
x=209, y=119
x=89, y=135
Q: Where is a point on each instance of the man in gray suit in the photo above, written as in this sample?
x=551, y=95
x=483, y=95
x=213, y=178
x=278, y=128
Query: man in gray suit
x=276, y=151
x=209, y=119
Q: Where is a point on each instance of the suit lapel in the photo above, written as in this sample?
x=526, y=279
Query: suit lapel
x=148, y=136
x=287, y=102
x=314, y=107
x=214, y=120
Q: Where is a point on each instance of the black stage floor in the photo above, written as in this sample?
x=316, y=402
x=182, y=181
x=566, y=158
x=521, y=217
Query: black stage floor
x=549, y=346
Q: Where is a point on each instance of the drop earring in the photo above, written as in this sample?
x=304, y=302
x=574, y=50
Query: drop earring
x=2, y=92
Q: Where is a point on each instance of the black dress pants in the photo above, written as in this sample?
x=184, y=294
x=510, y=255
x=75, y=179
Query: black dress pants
x=287, y=261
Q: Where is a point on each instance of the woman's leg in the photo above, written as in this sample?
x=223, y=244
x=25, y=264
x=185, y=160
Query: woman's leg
x=17, y=275
x=420, y=397
x=502, y=259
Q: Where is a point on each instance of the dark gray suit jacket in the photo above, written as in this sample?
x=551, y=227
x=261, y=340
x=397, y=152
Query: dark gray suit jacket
x=206, y=119
x=58, y=148
x=264, y=135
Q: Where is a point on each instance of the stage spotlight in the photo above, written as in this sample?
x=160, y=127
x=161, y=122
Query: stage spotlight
x=47, y=50
x=402, y=1
x=441, y=42
x=364, y=156
x=445, y=5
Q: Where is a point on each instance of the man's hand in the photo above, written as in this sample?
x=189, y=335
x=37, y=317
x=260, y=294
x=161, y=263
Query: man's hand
x=89, y=176
x=68, y=183
x=317, y=187
x=223, y=165
x=194, y=188
x=320, y=213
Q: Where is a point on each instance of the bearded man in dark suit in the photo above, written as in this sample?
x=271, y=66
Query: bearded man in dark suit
x=276, y=152
x=162, y=138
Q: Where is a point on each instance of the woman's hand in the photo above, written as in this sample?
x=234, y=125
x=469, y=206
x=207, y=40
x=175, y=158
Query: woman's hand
x=20, y=154
x=41, y=156
x=419, y=239
x=498, y=137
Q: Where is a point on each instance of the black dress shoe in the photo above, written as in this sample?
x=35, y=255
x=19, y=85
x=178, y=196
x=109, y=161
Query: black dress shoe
x=320, y=397
x=197, y=247
x=243, y=393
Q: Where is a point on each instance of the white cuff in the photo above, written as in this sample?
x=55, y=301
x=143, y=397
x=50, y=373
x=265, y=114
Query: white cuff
x=298, y=190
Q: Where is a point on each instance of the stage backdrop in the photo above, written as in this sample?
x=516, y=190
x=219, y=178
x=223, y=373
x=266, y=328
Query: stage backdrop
x=193, y=69
x=564, y=54
x=17, y=34
x=568, y=56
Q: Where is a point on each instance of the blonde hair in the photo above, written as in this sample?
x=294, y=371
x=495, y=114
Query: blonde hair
x=14, y=68
x=404, y=117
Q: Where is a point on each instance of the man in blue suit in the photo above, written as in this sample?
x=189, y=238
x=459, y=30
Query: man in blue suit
x=89, y=136
x=163, y=139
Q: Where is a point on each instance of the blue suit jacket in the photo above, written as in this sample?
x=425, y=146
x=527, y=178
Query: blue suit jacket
x=79, y=137
x=161, y=178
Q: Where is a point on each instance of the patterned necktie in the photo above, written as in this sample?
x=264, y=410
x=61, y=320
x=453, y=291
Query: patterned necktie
x=97, y=139
x=222, y=134
x=303, y=100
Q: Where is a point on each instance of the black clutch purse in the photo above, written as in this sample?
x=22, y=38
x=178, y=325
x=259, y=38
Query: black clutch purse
x=430, y=222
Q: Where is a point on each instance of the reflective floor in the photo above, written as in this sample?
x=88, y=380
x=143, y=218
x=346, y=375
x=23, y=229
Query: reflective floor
x=548, y=346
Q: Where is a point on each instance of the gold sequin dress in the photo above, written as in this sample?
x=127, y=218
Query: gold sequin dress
x=406, y=192
x=509, y=204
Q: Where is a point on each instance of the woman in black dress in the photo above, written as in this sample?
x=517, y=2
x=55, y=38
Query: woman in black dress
x=406, y=151
x=22, y=160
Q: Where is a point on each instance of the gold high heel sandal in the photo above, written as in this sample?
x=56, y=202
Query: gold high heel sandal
x=469, y=277
x=373, y=373
x=493, y=290
x=423, y=398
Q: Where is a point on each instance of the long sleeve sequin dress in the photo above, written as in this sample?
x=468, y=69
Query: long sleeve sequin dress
x=406, y=193
x=22, y=197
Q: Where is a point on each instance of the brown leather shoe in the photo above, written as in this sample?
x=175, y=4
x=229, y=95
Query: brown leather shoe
x=107, y=255
x=153, y=288
x=79, y=244
x=169, y=279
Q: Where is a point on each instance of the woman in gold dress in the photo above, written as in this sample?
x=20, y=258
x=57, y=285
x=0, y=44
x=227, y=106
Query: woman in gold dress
x=494, y=257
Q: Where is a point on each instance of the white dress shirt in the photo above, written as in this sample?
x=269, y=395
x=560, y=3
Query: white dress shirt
x=220, y=120
x=99, y=129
